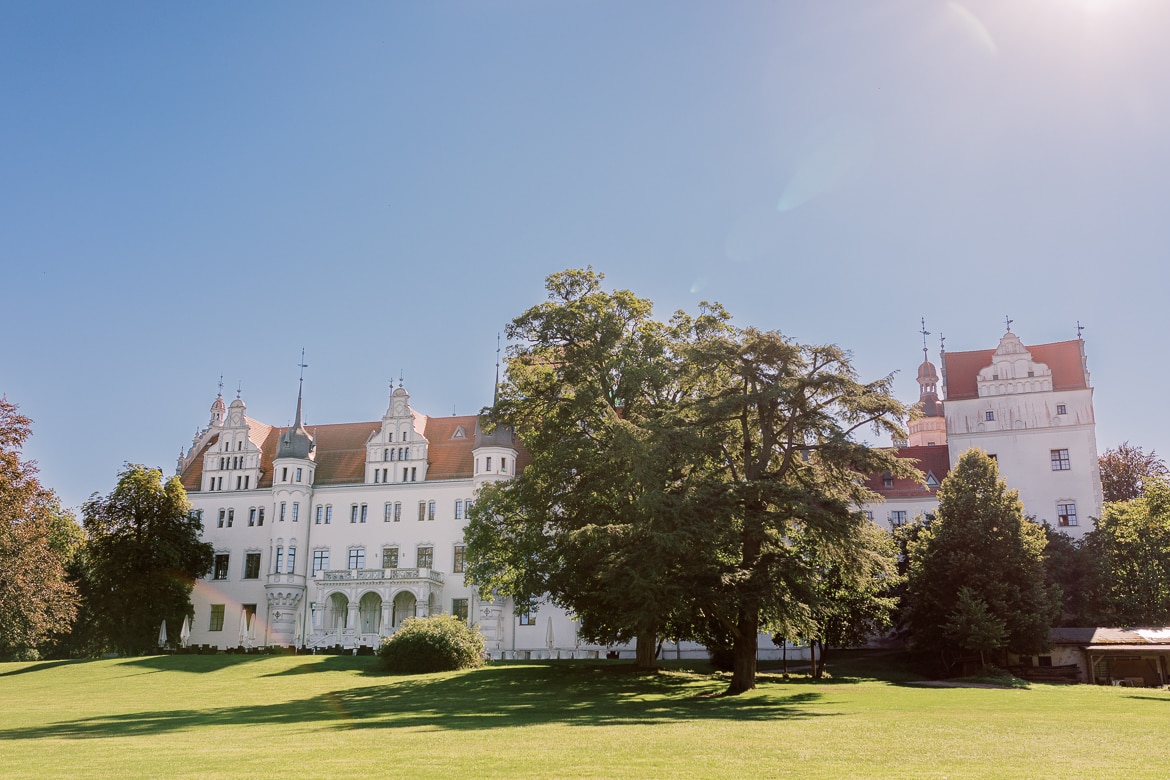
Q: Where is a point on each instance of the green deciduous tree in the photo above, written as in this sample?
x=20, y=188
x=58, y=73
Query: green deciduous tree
x=981, y=541
x=1125, y=471
x=590, y=522
x=142, y=558
x=36, y=540
x=1131, y=546
x=972, y=626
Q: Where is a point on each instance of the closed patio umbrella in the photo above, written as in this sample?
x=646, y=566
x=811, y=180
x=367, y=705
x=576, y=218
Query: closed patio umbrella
x=162, y=634
x=185, y=632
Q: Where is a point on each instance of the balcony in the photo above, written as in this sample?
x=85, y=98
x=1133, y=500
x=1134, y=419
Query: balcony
x=379, y=575
x=286, y=579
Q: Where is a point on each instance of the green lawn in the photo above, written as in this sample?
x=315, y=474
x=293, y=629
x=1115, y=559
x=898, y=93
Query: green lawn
x=333, y=716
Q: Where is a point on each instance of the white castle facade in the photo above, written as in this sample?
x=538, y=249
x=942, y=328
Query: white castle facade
x=332, y=536
x=1031, y=408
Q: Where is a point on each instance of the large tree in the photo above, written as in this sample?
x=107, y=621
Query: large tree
x=980, y=542
x=36, y=601
x=1131, y=546
x=1126, y=469
x=143, y=556
x=591, y=523
x=782, y=473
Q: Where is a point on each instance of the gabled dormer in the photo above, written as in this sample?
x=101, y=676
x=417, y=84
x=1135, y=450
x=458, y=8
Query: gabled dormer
x=397, y=452
x=1013, y=370
x=232, y=460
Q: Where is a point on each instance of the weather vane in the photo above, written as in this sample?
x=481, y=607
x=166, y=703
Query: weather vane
x=1080, y=329
x=924, y=333
x=1008, y=321
x=221, y=384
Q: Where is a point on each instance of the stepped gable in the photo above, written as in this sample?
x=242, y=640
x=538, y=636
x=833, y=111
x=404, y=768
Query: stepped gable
x=961, y=369
x=929, y=460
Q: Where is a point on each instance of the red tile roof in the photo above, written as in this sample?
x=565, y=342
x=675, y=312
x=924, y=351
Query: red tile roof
x=341, y=451
x=929, y=460
x=961, y=369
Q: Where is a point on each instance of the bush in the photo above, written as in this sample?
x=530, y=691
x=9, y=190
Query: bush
x=442, y=643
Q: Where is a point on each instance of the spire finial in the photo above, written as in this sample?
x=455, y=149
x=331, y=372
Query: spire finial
x=942, y=342
x=496, y=389
x=239, y=388
x=221, y=385
x=924, y=333
x=1080, y=329
x=300, y=387
x=1008, y=321
x=401, y=373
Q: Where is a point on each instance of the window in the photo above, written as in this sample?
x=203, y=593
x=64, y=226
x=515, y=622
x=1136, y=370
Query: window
x=296, y=510
x=390, y=557
x=488, y=461
x=989, y=416
x=252, y=566
x=328, y=514
x=298, y=475
x=458, y=509
x=1060, y=460
x=503, y=465
x=292, y=560
x=527, y=613
x=216, y=618
x=220, y=570
x=357, y=559
x=422, y=511
x=868, y=515
x=222, y=515
x=426, y=557
x=385, y=455
x=376, y=475
x=460, y=562
x=260, y=517
x=459, y=609
x=388, y=513
x=413, y=474
x=898, y=517
x=397, y=511
x=249, y=614
x=252, y=516
x=279, y=559
x=247, y=480
x=353, y=510
x=320, y=560
x=231, y=517
x=282, y=506
x=1066, y=514
x=385, y=475
x=219, y=483
x=431, y=510
x=239, y=482
x=467, y=509
x=1061, y=409
x=320, y=514
x=284, y=474
x=364, y=508
x=887, y=480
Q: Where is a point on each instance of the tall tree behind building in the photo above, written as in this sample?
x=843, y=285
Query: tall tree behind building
x=1125, y=471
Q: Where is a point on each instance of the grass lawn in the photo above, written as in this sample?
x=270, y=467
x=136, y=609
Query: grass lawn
x=337, y=716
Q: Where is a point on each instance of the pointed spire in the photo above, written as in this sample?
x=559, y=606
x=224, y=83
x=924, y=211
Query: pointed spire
x=300, y=387
x=496, y=389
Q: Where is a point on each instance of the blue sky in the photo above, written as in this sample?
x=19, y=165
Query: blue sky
x=190, y=190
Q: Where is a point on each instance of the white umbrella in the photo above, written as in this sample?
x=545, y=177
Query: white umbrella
x=185, y=632
x=162, y=634
x=252, y=633
x=243, y=626
x=548, y=635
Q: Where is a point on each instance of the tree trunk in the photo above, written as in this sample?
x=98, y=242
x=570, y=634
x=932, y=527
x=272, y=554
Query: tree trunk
x=646, y=651
x=812, y=658
x=819, y=666
x=784, y=650
x=743, y=650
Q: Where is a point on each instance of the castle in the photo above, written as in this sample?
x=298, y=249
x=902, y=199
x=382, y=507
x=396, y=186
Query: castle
x=333, y=535
x=1029, y=407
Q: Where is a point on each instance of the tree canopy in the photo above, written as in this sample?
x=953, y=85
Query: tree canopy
x=1126, y=469
x=143, y=556
x=680, y=471
x=1131, y=548
x=979, y=542
x=36, y=539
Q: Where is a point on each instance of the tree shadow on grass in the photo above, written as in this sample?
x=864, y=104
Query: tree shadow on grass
x=493, y=697
x=41, y=666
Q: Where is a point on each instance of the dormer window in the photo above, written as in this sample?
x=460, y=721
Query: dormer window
x=503, y=465
x=1061, y=409
x=989, y=416
x=284, y=471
